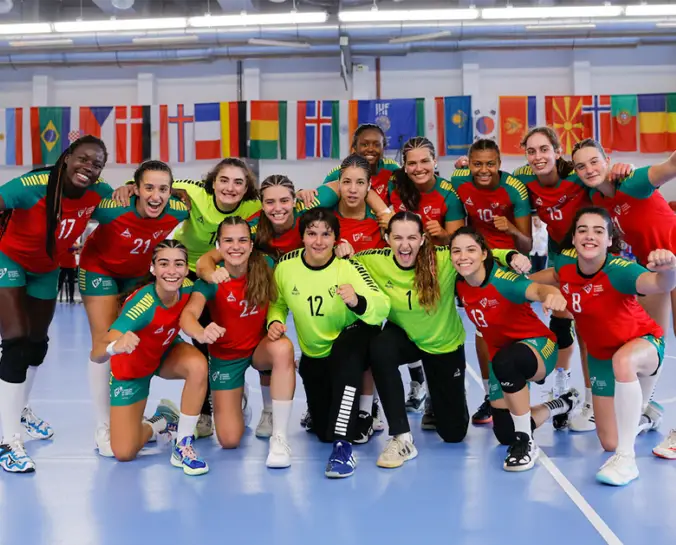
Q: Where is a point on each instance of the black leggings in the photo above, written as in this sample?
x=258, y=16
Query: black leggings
x=67, y=276
x=333, y=383
x=445, y=382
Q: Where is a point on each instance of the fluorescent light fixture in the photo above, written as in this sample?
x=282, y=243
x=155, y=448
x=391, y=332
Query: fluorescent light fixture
x=421, y=37
x=560, y=27
x=112, y=25
x=41, y=43
x=666, y=24
x=650, y=9
x=377, y=15
x=28, y=28
x=246, y=19
x=278, y=43
x=166, y=39
x=574, y=12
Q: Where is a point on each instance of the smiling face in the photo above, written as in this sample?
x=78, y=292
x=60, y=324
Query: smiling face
x=354, y=186
x=84, y=166
x=153, y=193
x=467, y=255
x=419, y=166
x=278, y=203
x=592, y=237
x=484, y=166
x=319, y=240
x=405, y=239
x=370, y=144
x=541, y=154
x=235, y=244
x=230, y=186
x=591, y=166
x=170, y=269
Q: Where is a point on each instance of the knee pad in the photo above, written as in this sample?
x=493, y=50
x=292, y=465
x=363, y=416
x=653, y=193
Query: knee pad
x=36, y=352
x=266, y=373
x=13, y=363
x=563, y=329
x=503, y=426
x=513, y=366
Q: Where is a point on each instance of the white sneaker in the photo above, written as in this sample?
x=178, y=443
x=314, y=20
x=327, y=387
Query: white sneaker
x=651, y=417
x=36, y=427
x=398, y=449
x=619, y=470
x=102, y=438
x=667, y=448
x=415, y=402
x=583, y=420
x=376, y=412
x=279, y=455
x=246, y=408
x=13, y=457
x=205, y=426
x=264, y=428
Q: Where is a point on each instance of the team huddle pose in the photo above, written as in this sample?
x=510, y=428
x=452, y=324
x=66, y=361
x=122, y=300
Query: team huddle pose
x=369, y=265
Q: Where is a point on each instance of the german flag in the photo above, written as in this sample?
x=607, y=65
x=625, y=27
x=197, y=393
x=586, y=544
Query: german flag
x=233, y=129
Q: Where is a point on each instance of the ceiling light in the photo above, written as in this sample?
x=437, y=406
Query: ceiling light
x=40, y=43
x=420, y=37
x=278, y=43
x=560, y=27
x=29, y=28
x=377, y=15
x=576, y=12
x=166, y=39
x=666, y=24
x=650, y=9
x=112, y=25
x=246, y=19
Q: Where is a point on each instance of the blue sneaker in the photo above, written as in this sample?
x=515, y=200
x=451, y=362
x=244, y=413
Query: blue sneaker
x=341, y=462
x=170, y=412
x=184, y=456
x=13, y=457
x=35, y=426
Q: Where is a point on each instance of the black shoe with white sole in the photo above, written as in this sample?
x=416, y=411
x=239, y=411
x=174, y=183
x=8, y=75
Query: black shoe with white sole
x=364, y=428
x=521, y=454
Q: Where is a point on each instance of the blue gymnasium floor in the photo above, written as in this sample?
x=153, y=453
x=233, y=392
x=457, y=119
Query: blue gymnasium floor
x=450, y=494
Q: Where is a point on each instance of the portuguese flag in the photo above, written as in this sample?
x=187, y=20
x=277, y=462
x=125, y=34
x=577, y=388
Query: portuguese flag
x=624, y=109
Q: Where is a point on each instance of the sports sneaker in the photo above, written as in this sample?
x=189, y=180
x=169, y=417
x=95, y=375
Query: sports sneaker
x=204, y=427
x=184, y=456
x=583, y=420
x=306, y=421
x=416, y=397
x=102, y=438
x=572, y=399
x=264, y=428
x=364, y=428
x=651, y=417
x=667, y=448
x=429, y=419
x=398, y=449
x=619, y=470
x=279, y=455
x=246, y=408
x=13, y=457
x=168, y=412
x=483, y=415
x=376, y=413
x=35, y=426
x=521, y=454
x=341, y=462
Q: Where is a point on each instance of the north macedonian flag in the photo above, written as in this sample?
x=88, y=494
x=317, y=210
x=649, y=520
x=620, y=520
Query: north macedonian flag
x=564, y=115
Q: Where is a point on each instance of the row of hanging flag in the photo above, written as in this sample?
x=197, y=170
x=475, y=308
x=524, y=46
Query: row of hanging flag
x=289, y=130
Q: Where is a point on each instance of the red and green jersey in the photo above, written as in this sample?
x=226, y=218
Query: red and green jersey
x=605, y=307
x=24, y=239
x=123, y=243
x=155, y=325
x=500, y=310
x=379, y=180
x=641, y=213
x=361, y=234
x=555, y=205
x=290, y=240
x=508, y=199
x=244, y=323
x=441, y=203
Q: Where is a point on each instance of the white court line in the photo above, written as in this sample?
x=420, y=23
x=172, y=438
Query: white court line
x=578, y=499
x=670, y=357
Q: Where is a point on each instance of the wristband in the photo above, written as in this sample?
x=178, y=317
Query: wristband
x=110, y=350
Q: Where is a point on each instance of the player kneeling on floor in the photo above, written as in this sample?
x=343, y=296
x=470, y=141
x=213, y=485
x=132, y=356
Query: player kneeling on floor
x=143, y=343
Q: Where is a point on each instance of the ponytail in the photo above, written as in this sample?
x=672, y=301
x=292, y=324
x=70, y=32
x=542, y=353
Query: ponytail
x=260, y=282
x=265, y=231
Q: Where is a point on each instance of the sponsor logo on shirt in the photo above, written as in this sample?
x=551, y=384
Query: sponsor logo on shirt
x=160, y=330
x=231, y=298
x=389, y=284
x=495, y=205
x=125, y=233
x=563, y=199
x=598, y=288
x=469, y=202
x=538, y=201
x=295, y=291
x=565, y=288
x=200, y=219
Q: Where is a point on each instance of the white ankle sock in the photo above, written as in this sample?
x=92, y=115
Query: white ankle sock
x=487, y=387
x=267, y=398
x=281, y=413
x=28, y=388
x=405, y=437
x=522, y=423
x=186, y=426
x=366, y=403
x=628, y=401
x=99, y=385
x=588, y=396
x=647, y=388
x=11, y=405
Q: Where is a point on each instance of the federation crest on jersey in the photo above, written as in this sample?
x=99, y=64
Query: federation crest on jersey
x=563, y=199
x=587, y=289
x=3, y=272
x=81, y=212
x=484, y=302
x=538, y=201
x=96, y=282
x=332, y=290
x=357, y=236
x=157, y=234
x=495, y=205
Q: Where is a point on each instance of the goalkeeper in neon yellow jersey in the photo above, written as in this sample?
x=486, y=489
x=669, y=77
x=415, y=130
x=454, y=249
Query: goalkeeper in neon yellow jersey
x=337, y=310
x=423, y=324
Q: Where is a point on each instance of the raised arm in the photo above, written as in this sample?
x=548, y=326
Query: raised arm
x=664, y=172
x=661, y=277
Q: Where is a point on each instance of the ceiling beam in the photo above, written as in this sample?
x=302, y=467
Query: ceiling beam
x=106, y=6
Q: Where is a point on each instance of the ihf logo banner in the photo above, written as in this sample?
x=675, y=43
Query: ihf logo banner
x=400, y=119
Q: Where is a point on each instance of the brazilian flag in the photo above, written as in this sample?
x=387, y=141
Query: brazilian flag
x=50, y=128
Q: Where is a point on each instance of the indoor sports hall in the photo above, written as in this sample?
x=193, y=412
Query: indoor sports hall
x=287, y=86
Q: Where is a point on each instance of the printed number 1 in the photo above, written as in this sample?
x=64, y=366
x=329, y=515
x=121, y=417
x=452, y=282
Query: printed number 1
x=410, y=305
x=66, y=224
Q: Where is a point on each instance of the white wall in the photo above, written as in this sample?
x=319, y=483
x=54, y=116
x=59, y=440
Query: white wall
x=485, y=75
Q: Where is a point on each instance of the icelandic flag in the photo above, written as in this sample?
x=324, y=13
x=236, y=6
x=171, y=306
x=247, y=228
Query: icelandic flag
x=318, y=129
x=208, y=131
